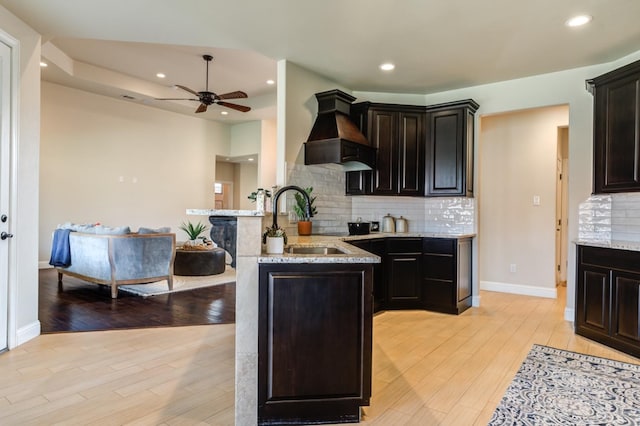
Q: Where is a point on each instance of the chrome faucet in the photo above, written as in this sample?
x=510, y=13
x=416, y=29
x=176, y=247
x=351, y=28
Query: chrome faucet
x=307, y=206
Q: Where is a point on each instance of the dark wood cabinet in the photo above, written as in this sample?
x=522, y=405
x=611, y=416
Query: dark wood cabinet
x=377, y=247
x=397, y=133
x=403, y=266
x=314, y=342
x=607, y=297
x=616, y=137
x=449, y=159
x=421, y=273
x=446, y=266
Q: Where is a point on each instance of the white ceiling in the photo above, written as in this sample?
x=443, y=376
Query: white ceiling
x=116, y=47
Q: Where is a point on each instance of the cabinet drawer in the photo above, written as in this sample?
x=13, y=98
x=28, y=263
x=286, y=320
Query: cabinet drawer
x=439, y=245
x=438, y=266
x=404, y=245
x=621, y=260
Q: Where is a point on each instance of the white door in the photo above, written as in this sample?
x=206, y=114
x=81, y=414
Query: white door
x=5, y=185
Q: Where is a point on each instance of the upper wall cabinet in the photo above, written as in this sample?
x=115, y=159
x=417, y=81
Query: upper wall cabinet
x=616, y=136
x=397, y=133
x=421, y=151
x=450, y=148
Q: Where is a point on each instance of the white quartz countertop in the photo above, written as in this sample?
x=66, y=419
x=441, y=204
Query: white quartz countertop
x=352, y=254
x=614, y=244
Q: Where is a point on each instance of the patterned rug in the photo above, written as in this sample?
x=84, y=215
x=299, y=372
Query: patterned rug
x=181, y=283
x=557, y=387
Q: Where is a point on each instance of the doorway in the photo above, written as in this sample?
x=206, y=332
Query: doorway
x=562, y=199
x=518, y=176
x=5, y=187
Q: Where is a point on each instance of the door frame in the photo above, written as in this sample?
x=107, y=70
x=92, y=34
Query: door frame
x=12, y=187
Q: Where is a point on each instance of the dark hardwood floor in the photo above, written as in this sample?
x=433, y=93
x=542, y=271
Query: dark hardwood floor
x=83, y=306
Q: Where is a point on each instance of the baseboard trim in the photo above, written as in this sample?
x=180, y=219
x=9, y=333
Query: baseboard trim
x=475, y=301
x=525, y=290
x=569, y=314
x=43, y=264
x=27, y=333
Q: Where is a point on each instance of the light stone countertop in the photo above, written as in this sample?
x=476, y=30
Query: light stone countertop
x=213, y=212
x=352, y=254
x=614, y=244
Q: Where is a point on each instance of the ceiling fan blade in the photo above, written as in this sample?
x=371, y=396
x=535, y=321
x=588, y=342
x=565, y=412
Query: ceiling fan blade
x=176, y=99
x=237, y=107
x=188, y=90
x=202, y=108
x=233, y=95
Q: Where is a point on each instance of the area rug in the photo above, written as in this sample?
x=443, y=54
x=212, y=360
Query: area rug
x=558, y=387
x=181, y=283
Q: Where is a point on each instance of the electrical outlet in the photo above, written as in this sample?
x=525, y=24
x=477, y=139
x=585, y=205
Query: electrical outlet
x=512, y=267
x=536, y=200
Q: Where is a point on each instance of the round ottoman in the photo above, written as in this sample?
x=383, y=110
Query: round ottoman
x=199, y=262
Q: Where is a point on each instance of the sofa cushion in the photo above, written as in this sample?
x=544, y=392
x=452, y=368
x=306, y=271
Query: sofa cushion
x=107, y=230
x=79, y=227
x=163, y=230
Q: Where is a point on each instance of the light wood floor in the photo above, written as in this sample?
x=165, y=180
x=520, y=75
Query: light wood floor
x=429, y=368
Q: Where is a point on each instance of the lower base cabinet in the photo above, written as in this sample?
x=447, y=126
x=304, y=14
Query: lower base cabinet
x=421, y=273
x=608, y=297
x=446, y=285
x=314, y=342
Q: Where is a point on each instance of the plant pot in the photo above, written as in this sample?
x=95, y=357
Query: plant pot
x=304, y=227
x=275, y=245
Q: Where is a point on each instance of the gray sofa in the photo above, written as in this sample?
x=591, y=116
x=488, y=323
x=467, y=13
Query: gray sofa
x=130, y=258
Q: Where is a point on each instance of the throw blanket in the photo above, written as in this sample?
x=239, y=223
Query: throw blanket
x=60, y=250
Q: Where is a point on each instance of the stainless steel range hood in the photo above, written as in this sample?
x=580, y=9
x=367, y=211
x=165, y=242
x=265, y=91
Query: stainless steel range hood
x=334, y=138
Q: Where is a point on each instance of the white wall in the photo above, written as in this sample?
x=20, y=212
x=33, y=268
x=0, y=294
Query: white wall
x=121, y=163
x=245, y=139
x=517, y=160
x=297, y=110
x=23, y=250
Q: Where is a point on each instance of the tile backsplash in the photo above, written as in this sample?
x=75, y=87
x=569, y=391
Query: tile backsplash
x=606, y=218
x=450, y=215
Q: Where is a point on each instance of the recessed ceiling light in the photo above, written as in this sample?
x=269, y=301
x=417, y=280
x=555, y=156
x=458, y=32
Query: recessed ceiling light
x=271, y=82
x=250, y=159
x=43, y=64
x=578, y=20
x=160, y=75
x=387, y=66
x=224, y=112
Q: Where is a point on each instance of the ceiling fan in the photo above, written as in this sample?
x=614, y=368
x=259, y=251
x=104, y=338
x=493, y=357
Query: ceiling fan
x=207, y=98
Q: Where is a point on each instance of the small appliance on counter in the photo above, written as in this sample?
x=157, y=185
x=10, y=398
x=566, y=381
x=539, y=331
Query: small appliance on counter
x=388, y=223
x=402, y=225
x=375, y=226
x=359, y=227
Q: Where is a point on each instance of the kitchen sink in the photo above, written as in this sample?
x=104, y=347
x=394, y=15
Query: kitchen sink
x=321, y=250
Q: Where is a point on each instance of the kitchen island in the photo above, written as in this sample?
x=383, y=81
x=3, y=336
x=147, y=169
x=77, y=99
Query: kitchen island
x=314, y=333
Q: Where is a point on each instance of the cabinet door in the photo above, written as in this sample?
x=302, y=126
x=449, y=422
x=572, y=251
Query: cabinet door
x=625, y=315
x=403, y=289
x=593, y=300
x=411, y=153
x=314, y=342
x=616, y=136
x=446, y=148
x=358, y=183
x=383, y=130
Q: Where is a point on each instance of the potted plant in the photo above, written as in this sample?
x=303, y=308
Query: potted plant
x=275, y=238
x=193, y=232
x=300, y=208
x=259, y=196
